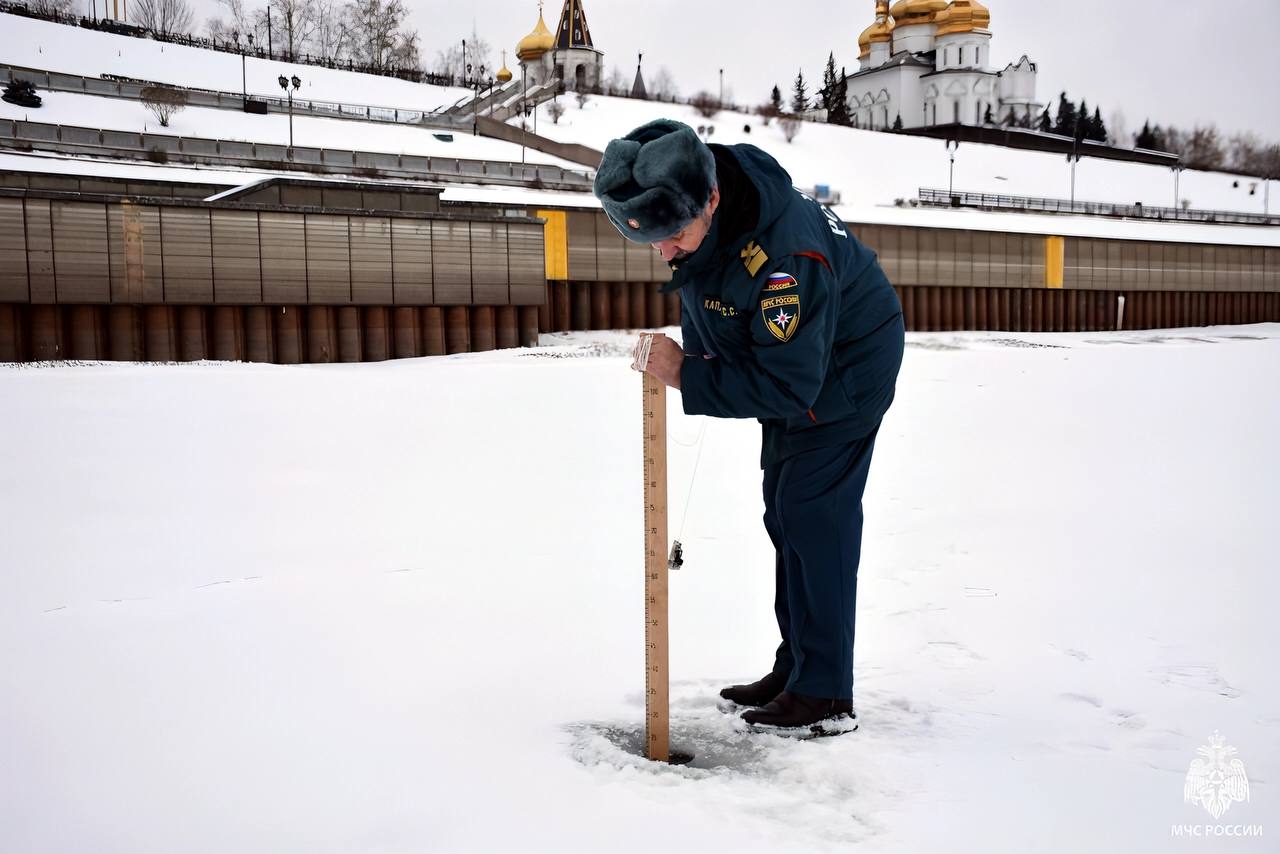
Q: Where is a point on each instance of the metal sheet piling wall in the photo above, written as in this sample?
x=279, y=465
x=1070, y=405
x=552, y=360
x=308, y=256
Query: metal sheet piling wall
x=284, y=334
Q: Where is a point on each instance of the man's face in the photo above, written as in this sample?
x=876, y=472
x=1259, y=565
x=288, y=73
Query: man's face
x=685, y=242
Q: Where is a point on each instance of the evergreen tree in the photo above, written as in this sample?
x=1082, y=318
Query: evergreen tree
x=897, y=122
x=1099, y=127
x=1081, y=129
x=1145, y=138
x=775, y=101
x=1159, y=138
x=1065, y=122
x=1044, y=124
x=827, y=94
x=986, y=117
x=839, y=110
x=799, y=97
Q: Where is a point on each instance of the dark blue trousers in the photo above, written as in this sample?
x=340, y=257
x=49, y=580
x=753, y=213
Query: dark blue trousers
x=813, y=513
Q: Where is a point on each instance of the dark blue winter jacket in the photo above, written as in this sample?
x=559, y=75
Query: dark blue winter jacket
x=803, y=329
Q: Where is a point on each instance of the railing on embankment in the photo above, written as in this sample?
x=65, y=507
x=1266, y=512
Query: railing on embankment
x=163, y=148
x=111, y=86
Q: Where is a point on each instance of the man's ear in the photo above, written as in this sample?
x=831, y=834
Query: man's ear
x=714, y=201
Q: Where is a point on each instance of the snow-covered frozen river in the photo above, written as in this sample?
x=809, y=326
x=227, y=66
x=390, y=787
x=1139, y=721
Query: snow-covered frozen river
x=396, y=607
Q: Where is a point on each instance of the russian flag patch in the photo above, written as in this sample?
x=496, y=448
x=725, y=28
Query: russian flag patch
x=779, y=282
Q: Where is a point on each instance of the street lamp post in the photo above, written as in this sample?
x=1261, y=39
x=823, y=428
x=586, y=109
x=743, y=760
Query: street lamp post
x=285, y=83
x=1074, y=158
x=244, y=87
x=477, y=84
x=722, y=88
x=952, y=145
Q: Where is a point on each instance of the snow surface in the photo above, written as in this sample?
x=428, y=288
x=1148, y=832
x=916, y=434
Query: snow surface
x=90, y=53
x=875, y=168
x=92, y=111
x=397, y=607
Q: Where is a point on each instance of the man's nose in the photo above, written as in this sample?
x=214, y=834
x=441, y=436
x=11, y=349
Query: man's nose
x=666, y=248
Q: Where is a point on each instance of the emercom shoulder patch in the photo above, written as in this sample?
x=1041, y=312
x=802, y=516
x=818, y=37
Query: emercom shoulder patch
x=779, y=282
x=781, y=315
x=753, y=257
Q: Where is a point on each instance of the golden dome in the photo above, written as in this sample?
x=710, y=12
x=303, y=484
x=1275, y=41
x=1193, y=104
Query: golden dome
x=916, y=11
x=504, y=76
x=963, y=16
x=538, y=42
x=880, y=31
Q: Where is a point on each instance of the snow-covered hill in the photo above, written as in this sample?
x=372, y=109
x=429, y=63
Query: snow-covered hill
x=397, y=607
x=57, y=47
x=875, y=168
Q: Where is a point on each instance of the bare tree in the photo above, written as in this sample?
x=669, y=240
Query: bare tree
x=555, y=109
x=790, y=127
x=407, y=53
x=1249, y=155
x=295, y=20
x=1202, y=148
x=331, y=38
x=164, y=102
x=706, y=104
x=664, y=86
x=450, y=60
x=376, y=36
x=1118, y=128
x=582, y=97
x=163, y=17
x=51, y=7
x=239, y=20
x=616, y=82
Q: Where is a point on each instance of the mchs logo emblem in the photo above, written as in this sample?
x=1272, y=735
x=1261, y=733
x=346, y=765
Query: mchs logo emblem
x=781, y=315
x=1216, y=779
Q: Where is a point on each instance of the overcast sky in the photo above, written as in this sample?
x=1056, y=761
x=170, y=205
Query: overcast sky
x=1175, y=61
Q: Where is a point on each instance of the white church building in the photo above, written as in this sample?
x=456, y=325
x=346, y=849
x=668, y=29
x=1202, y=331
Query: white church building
x=927, y=62
x=568, y=54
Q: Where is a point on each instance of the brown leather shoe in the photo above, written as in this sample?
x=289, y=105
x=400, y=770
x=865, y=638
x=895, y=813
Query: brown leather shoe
x=756, y=693
x=797, y=710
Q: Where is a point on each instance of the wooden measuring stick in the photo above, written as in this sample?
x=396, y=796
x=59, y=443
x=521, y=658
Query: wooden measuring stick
x=657, y=700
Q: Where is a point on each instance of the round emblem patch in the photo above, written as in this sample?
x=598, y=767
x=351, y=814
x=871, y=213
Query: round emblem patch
x=633, y=223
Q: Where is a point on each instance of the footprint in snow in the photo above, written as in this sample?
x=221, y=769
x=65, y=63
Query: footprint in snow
x=1200, y=677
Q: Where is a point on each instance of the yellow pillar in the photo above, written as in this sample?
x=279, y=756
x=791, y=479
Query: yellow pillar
x=555, y=242
x=1054, y=253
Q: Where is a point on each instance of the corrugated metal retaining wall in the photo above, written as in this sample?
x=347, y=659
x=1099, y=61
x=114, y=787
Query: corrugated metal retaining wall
x=114, y=278
x=950, y=279
x=84, y=277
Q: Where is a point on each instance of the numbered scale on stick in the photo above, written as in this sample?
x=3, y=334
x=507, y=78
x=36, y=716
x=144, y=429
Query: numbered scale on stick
x=657, y=700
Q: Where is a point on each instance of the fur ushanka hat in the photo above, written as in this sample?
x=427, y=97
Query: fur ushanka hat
x=655, y=180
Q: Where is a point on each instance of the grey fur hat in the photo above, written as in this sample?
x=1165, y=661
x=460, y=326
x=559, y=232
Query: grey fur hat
x=655, y=180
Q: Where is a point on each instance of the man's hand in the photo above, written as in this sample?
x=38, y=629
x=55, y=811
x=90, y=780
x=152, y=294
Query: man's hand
x=664, y=359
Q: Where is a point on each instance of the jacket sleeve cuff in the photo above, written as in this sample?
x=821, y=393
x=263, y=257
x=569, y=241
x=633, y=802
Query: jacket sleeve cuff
x=695, y=378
